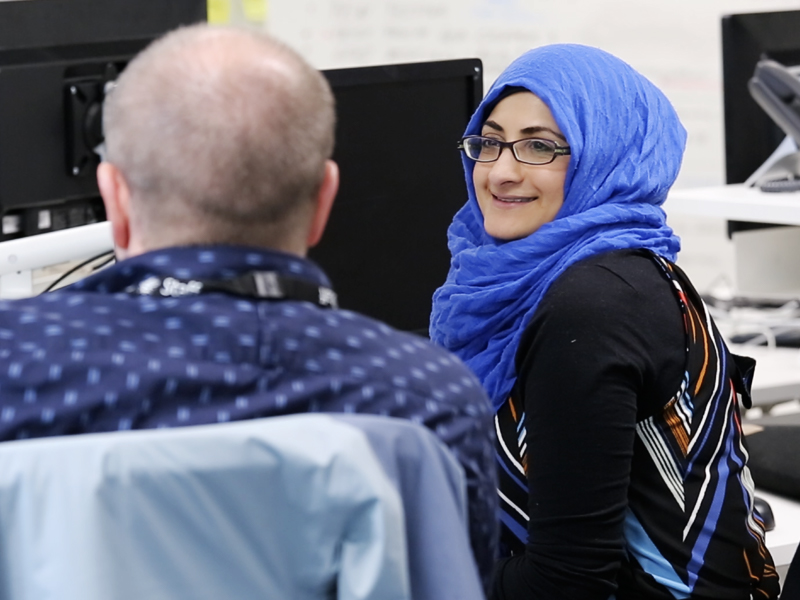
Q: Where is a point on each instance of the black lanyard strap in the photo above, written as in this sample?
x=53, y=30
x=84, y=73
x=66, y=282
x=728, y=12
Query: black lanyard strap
x=265, y=285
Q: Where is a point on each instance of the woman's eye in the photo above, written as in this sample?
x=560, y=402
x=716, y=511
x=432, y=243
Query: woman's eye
x=539, y=146
x=489, y=143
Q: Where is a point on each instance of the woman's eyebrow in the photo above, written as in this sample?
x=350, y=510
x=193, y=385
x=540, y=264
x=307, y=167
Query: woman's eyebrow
x=533, y=130
x=493, y=125
x=538, y=129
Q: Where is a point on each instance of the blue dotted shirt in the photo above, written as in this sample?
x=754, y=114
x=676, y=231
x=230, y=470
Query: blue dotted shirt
x=94, y=358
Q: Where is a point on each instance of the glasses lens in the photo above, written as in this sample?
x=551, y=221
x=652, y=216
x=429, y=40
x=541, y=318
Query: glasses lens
x=481, y=149
x=535, y=151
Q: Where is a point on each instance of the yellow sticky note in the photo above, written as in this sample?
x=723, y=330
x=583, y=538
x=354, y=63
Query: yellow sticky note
x=255, y=11
x=219, y=11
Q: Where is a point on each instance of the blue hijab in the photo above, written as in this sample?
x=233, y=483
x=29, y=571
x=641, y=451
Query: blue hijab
x=627, y=144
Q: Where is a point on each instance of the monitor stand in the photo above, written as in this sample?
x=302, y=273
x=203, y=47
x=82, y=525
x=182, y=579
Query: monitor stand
x=18, y=258
x=781, y=171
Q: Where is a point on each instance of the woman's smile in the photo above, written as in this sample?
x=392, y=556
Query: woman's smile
x=513, y=199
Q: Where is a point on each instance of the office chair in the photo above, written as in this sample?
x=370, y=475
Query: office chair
x=432, y=487
x=296, y=507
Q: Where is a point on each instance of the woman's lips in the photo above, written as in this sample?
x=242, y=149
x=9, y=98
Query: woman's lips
x=513, y=199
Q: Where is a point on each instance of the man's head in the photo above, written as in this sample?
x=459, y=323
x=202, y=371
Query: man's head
x=217, y=135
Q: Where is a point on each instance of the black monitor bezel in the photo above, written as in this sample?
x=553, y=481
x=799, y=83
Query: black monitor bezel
x=46, y=47
x=750, y=134
x=403, y=275
x=43, y=24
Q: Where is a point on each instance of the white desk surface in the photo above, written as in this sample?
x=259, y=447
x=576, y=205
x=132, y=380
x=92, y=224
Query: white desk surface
x=777, y=378
x=783, y=540
x=736, y=202
x=777, y=375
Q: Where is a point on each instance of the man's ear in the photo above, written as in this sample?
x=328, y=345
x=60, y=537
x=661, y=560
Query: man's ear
x=324, y=203
x=116, y=197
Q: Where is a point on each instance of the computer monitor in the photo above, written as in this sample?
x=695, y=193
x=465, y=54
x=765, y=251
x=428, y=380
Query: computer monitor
x=55, y=59
x=750, y=134
x=385, y=247
x=402, y=181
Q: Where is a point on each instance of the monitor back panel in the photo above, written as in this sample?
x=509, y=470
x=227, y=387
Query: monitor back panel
x=402, y=181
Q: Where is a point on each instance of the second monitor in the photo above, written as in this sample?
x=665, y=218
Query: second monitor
x=385, y=247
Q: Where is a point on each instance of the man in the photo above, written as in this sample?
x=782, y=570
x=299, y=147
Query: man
x=217, y=165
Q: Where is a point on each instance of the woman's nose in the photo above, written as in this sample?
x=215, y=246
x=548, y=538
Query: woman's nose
x=506, y=168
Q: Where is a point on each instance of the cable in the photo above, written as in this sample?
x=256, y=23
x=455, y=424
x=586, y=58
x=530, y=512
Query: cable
x=88, y=261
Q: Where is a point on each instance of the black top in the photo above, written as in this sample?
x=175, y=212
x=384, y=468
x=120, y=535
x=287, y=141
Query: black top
x=605, y=353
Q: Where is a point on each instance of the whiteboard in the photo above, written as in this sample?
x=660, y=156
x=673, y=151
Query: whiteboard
x=676, y=44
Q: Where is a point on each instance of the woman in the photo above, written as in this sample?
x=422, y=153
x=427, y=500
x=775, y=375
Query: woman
x=623, y=466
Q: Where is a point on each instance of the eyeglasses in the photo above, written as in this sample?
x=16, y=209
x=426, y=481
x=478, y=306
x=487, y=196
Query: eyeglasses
x=531, y=151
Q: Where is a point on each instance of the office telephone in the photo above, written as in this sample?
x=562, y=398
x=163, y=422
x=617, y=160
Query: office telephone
x=776, y=89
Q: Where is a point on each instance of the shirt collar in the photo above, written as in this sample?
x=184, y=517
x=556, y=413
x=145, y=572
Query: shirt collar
x=200, y=262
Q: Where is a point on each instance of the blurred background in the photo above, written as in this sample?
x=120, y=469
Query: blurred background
x=676, y=44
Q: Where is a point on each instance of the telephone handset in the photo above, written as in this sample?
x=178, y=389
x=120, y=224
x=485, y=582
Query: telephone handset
x=776, y=89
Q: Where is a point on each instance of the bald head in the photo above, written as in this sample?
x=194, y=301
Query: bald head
x=221, y=136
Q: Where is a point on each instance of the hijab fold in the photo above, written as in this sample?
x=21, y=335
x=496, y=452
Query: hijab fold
x=627, y=144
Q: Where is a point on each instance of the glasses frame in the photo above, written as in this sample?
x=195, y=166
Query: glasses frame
x=557, y=150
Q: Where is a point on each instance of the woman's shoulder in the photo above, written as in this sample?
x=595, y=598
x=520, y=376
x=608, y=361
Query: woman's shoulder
x=622, y=280
x=621, y=298
x=619, y=304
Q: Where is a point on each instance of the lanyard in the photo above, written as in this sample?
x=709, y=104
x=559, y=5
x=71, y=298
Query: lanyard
x=267, y=285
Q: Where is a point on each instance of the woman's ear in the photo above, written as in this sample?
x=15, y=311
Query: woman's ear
x=116, y=196
x=324, y=203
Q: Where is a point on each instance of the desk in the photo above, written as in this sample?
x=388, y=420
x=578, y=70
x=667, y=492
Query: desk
x=783, y=540
x=19, y=257
x=737, y=203
x=777, y=376
x=777, y=379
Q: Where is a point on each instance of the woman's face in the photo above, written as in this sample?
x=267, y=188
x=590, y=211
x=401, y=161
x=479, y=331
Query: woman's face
x=515, y=198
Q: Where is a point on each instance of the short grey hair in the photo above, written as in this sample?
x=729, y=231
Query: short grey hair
x=222, y=135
